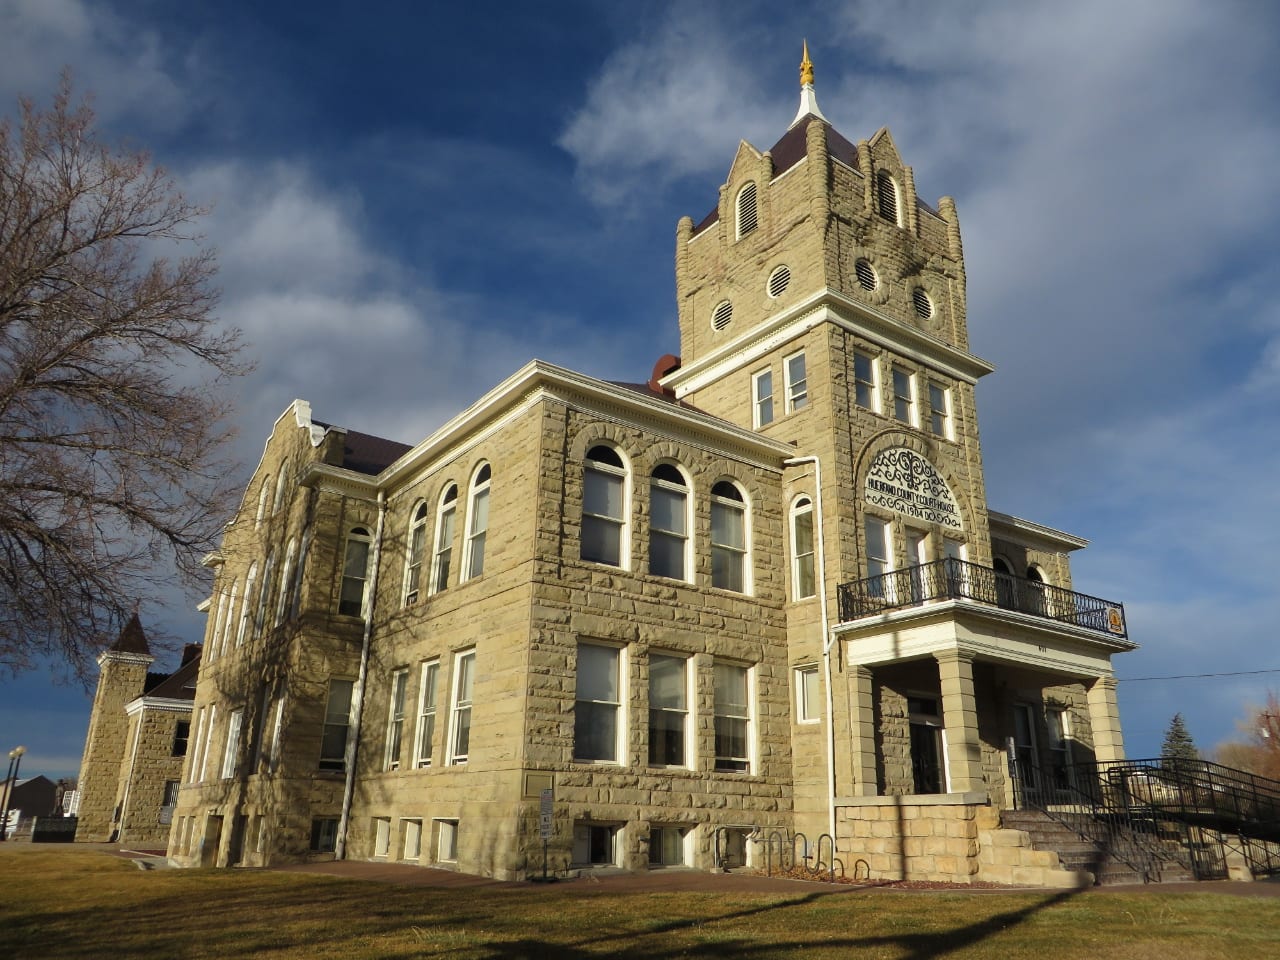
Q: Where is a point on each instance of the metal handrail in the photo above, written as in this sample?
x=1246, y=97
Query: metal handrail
x=952, y=579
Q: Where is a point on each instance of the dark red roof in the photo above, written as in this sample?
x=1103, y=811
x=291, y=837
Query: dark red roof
x=365, y=453
x=132, y=639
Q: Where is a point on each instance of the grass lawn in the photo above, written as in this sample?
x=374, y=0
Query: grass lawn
x=68, y=902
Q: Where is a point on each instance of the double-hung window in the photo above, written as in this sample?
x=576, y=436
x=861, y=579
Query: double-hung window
x=940, y=410
x=762, y=392
x=264, y=594
x=668, y=710
x=283, y=601
x=246, y=605
x=604, y=494
x=417, y=547
x=464, y=668
x=395, y=719
x=797, y=383
x=231, y=750
x=668, y=523
x=732, y=717
x=337, y=724
x=427, y=713
x=904, y=396
x=808, y=699
x=477, y=523
x=355, y=573
x=597, y=703
x=443, y=555
x=802, y=553
x=728, y=537
x=878, y=558
x=866, y=393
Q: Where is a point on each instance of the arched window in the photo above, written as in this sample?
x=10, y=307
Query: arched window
x=604, y=496
x=282, y=482
x=352, y=599
x=264, y=594
x=1006, y=586
x=802, y=553
x=748, y=215
x=887, y=199
x=246, y=605
x=668, y=523
x=1037, y=597
x=211, y=647
x=227, y=624
x=283, y=606
x=295, y=589
x=263, y=492
x=728, y=537
x=417, y=548
x=477, y=524
x=442, y=558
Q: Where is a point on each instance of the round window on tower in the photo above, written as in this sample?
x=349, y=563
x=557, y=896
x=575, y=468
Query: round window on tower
x=722, y=315
x=779, y=280
x=924, y=306
x=866, y=274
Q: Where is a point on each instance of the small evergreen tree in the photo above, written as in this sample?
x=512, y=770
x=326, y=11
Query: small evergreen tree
x=1178, y=745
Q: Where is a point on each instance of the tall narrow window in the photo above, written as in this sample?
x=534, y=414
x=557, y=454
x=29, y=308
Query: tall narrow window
x=417, y=547
x=231, y=749
x=395, y=719
x=277, y=732
x=211, y=647
x=732, y=718
x=282, y=488
x=796, y=381
x=477, y=523
x=355, y=573
x=264, y=492
x=940, y=410
x=865, y=388
x=802, y=569
x=207, y=750
x=295, y=588
x=748, y=214
x=427, y=713
x=464, y=666
x=904, y=396
x=193, y=771
x=668, y=523
x=728, y=537
x=604, y=526
x=597, y=703
x=337, y=724
x=264, y=594
x=283, y=601
x=246, y=605
x=808, y=695
x=228, y=625
x=668, y=710
x=443, y=556
x=762, y=388
x=181, y=735
x=878, y=562
x=887, y=197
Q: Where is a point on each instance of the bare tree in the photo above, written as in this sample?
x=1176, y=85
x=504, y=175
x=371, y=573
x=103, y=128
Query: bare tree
x=1258, y=749
x=111, y=428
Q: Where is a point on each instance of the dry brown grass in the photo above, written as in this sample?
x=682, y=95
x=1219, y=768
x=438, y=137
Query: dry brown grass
x=67, y=902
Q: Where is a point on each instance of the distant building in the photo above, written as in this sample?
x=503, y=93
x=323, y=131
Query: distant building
x=137, y=740
x=656, y=624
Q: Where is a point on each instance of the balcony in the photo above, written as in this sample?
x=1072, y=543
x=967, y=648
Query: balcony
x=952, y=579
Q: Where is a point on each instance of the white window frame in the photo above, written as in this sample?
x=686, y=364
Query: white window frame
x=682, y=710
x=411, y=839
x=796, y=388
x=446, y=840
x=940, y=415
x=442, y=554
x=872, y=385
x=477, y=523
x=264, y=595
x=394, y=746
x=335, y=720
x=283, y=605
x=658, y=844
x=381, y=837
x=220, y=617
x=246, y=604
x=580, y=852
x=263, y=493
x=277, y=733
x=723, y=762
x=622, y=523
x=295, y=588
x=281, y=482
x=357, y=538
x=229, y=624
x=808, y=688
x=685, y=541
x=802, y=561
x=197, y=754
x=415, y=552
x=208, y=741
x=762, y=398
x=461, y=701
x=719, y=502
x=909, y=398
x=879, y=554
x=424, y=735
x=231, y=747
x=599, y=706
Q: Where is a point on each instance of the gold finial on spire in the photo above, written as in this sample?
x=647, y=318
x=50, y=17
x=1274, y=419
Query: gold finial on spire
x=806, y=68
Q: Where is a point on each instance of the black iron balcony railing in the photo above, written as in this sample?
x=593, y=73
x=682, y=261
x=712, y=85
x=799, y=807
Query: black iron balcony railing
x=952, y=579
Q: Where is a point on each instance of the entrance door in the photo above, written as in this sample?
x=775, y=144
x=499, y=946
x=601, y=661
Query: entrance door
x=1024, y=746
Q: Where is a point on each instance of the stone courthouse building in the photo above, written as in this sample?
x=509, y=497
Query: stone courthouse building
x=666, y=623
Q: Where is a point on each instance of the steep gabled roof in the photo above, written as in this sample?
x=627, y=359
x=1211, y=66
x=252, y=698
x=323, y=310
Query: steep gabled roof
x=365, y=453
x=179, y=685
x=132, y=638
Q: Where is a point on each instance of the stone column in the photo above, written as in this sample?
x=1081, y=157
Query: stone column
x=960, y=718
x=862, y=732
x=1104, y=718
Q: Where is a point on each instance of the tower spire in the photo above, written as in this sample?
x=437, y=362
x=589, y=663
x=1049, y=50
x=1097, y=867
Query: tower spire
x=808, y=98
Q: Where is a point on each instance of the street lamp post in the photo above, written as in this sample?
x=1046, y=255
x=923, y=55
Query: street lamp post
x=10, y=781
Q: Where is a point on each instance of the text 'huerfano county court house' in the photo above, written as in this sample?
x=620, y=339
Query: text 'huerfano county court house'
x=761, y=594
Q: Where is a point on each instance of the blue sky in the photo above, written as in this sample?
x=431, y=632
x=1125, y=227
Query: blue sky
x=412, y=199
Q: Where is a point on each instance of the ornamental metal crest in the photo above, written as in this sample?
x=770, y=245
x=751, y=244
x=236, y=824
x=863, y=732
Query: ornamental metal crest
x=902, y=480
